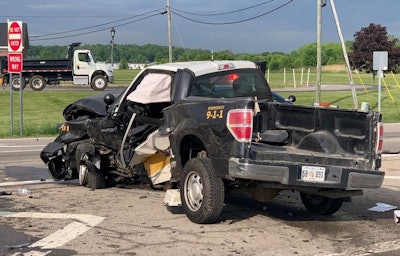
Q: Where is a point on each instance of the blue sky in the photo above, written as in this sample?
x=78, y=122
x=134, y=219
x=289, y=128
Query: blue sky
x=283, y=25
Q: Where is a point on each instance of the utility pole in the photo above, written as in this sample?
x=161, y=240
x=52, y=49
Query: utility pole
x=319, y=39
x=112, y=31
x=169, y=31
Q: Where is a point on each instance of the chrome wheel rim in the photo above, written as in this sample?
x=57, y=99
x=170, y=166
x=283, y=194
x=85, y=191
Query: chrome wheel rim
x=194, y=191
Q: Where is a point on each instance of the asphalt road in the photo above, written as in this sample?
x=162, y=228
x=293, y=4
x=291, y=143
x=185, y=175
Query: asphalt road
x=66, y=219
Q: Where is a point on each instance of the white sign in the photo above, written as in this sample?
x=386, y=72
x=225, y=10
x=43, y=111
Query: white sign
x=15, y=36
x=380, y=60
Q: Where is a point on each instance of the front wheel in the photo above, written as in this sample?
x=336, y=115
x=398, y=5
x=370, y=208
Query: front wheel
x=320, y=205
x=88, y=166
x=16, y=83
x=99, y=83
x=202, y=192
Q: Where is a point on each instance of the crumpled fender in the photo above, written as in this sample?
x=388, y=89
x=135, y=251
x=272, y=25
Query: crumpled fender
x=50, y=151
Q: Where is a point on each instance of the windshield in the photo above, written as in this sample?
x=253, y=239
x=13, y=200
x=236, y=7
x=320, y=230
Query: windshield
x=230, y=84
x=93, y=58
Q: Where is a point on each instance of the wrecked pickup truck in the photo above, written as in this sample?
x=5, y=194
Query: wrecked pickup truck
x=214, y=126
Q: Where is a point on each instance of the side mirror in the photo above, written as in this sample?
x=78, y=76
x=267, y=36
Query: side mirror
x=292, y=98
x=109, y=99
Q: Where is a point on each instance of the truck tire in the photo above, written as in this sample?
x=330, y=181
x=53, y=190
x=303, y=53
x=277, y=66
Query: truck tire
x=202, y=193
x=320, y=205
x=99, y=83
x=37, y=83
x=16, y=83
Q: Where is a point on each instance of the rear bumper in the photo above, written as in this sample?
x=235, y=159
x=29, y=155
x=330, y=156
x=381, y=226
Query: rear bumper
x=289, y=174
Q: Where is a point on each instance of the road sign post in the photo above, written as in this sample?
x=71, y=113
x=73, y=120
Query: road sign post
x=15, y=63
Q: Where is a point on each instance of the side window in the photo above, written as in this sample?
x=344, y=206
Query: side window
x=84, y=57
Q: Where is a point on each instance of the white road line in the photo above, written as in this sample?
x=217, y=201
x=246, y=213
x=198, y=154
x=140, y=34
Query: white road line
x=392, y=177
x=30, y=182
x=20, y=146
x=371, y=249
x=26, y=182
x=81, y=224
x=21, y=151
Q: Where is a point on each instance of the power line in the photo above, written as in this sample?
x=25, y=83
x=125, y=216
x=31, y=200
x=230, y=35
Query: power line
x=150, y=14
x=39, y=37
x=223, y=13
x=233, y=22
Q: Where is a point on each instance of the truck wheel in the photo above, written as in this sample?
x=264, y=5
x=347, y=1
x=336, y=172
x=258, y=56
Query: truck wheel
x=202, y=193
x=99, y=83
x=320, y=205
x=37, y=83
x=16, y=83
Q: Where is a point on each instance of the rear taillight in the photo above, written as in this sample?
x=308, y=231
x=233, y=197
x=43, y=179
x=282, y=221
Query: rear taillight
x=240, y=124
x=379, y=137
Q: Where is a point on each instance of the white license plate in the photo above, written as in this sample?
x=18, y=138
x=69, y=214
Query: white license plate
x=313, y=173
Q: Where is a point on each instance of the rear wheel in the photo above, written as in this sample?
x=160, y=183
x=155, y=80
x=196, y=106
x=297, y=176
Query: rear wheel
x=202, y=192
x=37, y=83
x=99, y=83
x=321, y=205
x=16, y=83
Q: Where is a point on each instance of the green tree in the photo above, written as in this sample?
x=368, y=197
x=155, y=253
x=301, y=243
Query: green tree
x=123, y=64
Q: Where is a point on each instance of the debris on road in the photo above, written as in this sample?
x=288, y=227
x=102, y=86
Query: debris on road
x=397, y=217
x=382, y=207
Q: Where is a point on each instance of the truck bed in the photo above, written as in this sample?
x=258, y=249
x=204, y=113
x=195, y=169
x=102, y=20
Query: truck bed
x=347, y=133
x=48, y=64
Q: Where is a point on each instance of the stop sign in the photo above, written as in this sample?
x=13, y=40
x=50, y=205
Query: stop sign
x=15, y=36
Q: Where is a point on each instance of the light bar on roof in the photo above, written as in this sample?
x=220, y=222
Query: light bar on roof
x=226, y=66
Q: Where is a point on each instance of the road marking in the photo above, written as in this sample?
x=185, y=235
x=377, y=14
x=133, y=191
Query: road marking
x=81, y=223
x=21, y=151
x=392, y=177
x=26, y=182
x=20, y=146
x=371, y=249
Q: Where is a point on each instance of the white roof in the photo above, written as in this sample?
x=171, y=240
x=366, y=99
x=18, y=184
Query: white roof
x=204, y=67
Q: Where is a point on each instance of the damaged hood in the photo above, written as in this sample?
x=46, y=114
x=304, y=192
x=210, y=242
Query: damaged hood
x=89, y=107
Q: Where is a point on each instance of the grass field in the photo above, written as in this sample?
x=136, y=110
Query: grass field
x=42, y=110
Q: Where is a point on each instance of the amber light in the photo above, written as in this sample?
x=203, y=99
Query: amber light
x=379, y=138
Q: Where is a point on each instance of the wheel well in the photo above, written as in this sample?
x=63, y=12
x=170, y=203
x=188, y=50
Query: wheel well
x=99, y=72
x=190, y=147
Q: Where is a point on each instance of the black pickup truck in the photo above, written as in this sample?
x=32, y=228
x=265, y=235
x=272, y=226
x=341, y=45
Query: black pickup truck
x=224, y=130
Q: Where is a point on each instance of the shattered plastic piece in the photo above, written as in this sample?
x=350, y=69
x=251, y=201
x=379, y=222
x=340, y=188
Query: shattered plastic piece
x=397, y=217
x=172, y=198
x=24, y=191
x=382, y=207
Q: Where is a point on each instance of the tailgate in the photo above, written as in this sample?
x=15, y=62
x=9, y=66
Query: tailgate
x=347, y=135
